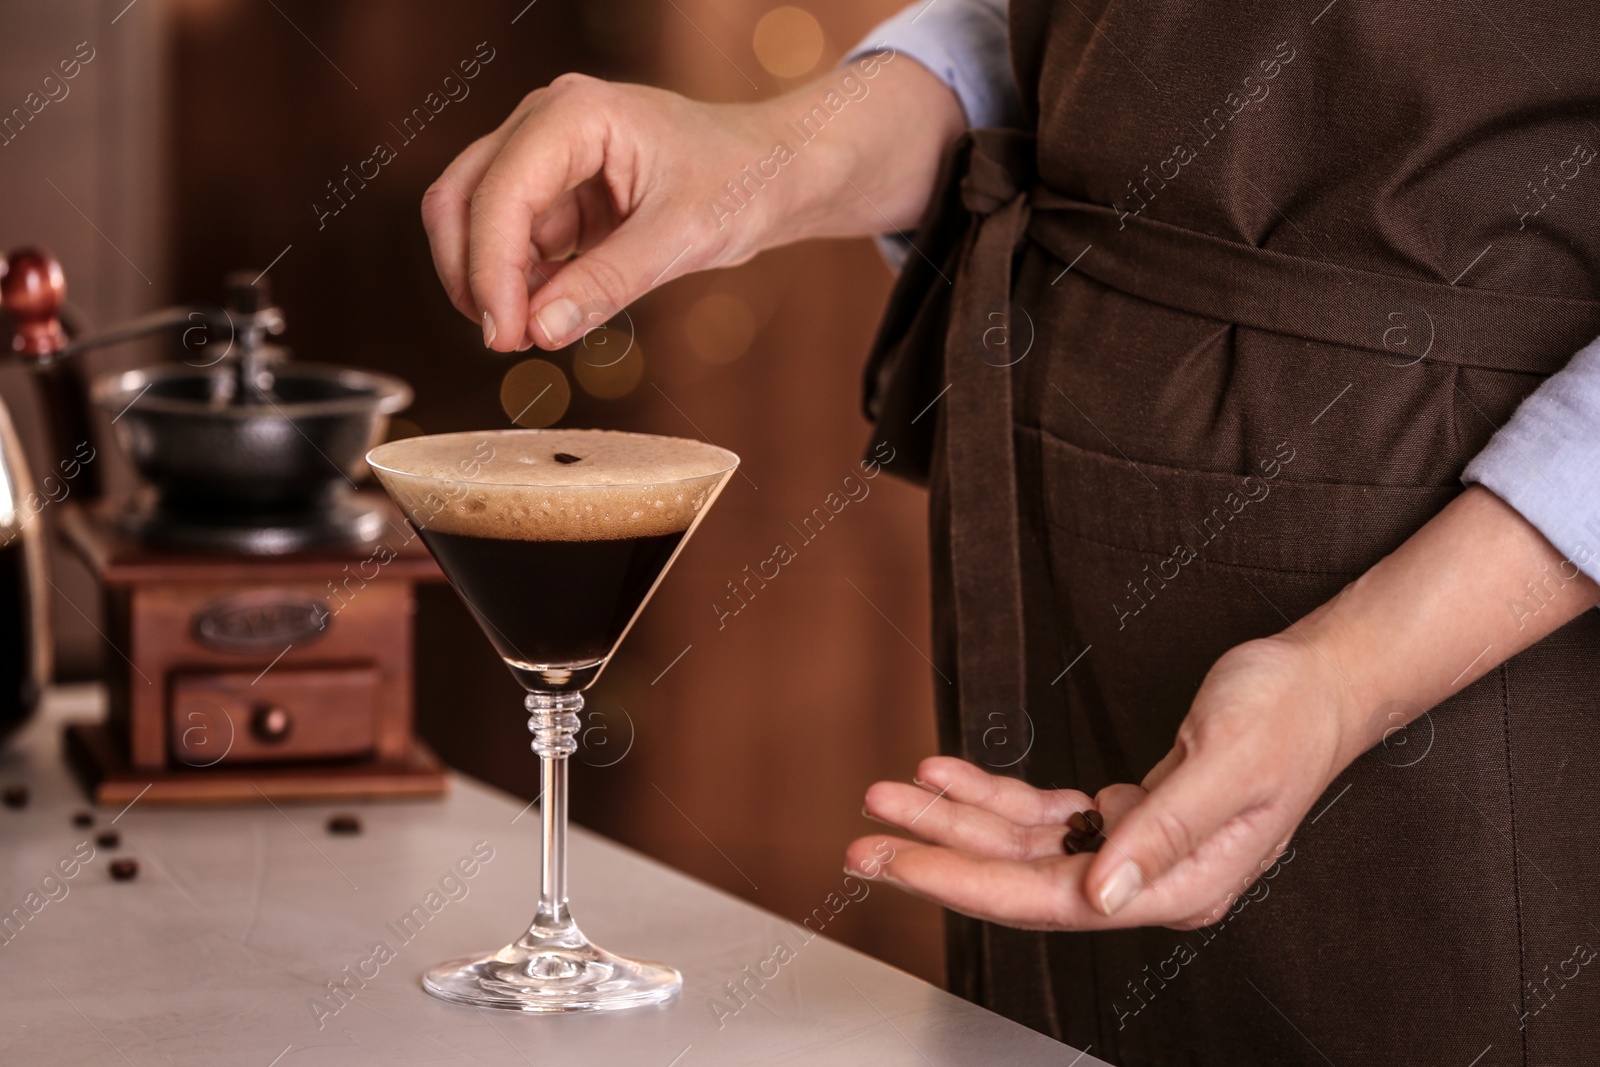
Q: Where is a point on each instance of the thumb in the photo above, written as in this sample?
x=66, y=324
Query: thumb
x=588, y=290
x=1187, y=806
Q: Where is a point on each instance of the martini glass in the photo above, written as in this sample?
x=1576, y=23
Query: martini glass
x=554, y=539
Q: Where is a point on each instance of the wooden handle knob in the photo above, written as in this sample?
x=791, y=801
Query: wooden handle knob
x=32, y=289
x=270, y=723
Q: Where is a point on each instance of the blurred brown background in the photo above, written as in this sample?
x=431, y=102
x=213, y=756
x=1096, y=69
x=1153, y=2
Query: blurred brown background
x=198, y=139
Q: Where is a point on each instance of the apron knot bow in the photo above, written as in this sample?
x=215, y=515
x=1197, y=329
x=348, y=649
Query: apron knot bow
x=1000, y=170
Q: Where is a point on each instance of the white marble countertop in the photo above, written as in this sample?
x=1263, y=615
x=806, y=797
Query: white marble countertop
x=222, y=950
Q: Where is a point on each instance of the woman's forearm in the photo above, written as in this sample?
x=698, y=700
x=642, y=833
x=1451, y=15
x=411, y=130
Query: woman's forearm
x=864, y=143
x=1469, y=590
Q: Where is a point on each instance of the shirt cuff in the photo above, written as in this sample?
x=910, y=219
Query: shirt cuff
x=1543, y=461
x=963, y=43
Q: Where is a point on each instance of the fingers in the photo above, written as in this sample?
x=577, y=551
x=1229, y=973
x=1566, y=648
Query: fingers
x=446, y=215
x=997, y=852
x=559, y=145
x=1188, y=808
x=641, y=253
x=557, y=233
x=587, y=167
x=1038, y=894
x=961, y=826
x=596, y=212
x=1008, y=798
x=447, y=208
x=1042, y=894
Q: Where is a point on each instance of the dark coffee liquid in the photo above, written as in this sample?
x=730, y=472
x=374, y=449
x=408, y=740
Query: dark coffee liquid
x=551, y=607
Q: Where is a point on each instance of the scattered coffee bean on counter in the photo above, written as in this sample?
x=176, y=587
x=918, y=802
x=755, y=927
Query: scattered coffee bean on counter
x=125, y=869
x=109, y=839
x=15, y=797
x=1084, y=832
x=567, y=457
x=83, y=818
x=344, y=824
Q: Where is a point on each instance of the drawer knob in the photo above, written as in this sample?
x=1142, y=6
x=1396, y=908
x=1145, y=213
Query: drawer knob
x=270, y=723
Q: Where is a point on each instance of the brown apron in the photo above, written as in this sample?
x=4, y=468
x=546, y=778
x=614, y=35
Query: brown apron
x=1219, y=338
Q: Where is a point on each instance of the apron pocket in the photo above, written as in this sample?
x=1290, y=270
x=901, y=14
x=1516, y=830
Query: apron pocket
x=1263, y=519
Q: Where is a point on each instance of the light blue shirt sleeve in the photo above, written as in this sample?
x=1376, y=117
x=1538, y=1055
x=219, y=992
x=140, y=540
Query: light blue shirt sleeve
x=964, y=44
x=1545, y=462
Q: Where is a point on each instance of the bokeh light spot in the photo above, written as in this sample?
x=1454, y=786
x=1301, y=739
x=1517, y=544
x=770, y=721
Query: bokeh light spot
x=535, y=393
x=788, y=41
x=719, y=327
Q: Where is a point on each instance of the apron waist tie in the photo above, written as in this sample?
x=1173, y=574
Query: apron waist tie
x=1313, y=298
x=979, y=452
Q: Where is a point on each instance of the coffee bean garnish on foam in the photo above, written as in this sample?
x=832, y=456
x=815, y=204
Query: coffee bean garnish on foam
x=567, y=457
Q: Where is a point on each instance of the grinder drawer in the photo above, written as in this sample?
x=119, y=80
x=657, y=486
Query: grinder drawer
x=286, y=713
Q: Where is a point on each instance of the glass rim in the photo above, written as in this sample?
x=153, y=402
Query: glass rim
x=524, y=431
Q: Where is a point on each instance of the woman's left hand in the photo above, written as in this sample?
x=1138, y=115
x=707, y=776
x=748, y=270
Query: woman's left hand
x=1273, y=724
x=1268, y=731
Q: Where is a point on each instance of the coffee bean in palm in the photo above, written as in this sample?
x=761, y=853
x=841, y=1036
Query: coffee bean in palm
x=1073, y=844
x=1084, y=832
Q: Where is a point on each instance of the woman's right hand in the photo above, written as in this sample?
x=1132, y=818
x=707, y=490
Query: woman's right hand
x=630, y=178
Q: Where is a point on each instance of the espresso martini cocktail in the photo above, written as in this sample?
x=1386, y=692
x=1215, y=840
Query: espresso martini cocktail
x=554, y=539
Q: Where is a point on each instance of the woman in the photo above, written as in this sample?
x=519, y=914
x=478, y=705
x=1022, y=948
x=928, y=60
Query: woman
x=1196, y=369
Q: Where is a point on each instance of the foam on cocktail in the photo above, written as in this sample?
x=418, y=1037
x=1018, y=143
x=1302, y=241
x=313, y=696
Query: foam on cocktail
x=551, y=485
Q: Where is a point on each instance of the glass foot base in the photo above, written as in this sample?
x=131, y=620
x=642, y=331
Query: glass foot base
x=563, y=974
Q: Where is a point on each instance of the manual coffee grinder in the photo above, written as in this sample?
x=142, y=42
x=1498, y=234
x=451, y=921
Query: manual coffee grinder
x=257, y=601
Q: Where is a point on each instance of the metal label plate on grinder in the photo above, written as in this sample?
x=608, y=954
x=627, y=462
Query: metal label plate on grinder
x=261, y=620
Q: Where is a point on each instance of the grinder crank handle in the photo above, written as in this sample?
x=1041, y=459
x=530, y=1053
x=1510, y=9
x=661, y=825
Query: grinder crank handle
x=32, y=291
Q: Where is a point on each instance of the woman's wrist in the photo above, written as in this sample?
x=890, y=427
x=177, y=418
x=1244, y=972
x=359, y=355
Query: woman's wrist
x=1445, y=608
x=854, y=153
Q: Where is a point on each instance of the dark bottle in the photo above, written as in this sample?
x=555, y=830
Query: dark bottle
x=24, y=631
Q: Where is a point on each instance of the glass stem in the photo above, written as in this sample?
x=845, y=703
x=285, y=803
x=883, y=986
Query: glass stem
x=553, y=720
